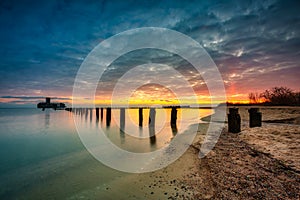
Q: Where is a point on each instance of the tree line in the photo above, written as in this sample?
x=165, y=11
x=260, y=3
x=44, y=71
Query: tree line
x=276, y=96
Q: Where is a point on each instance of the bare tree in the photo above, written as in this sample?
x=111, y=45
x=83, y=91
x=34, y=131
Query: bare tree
x=280, y=96
x=254, y=97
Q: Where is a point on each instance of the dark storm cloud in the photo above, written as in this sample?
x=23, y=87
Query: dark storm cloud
x=43, y=43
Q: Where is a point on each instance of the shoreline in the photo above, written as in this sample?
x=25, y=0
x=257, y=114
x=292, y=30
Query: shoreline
x=234, y=169
x=260, y=162
x=240, y=166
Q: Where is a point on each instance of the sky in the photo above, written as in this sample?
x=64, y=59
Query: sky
x=254, y=44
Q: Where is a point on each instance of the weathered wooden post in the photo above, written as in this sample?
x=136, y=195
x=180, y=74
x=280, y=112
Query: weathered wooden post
x=254, y=117
x=152, y=125
x=97, y=114
x=234, y=120
x=122, y=119
x=108, y=116
x=173, y=115
x=101, y=114
x=173, y=120
x=152, y=117
x=141, y=117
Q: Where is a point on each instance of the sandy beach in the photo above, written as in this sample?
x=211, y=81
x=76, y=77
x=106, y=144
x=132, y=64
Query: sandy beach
x=279, y=136
x=258, y=163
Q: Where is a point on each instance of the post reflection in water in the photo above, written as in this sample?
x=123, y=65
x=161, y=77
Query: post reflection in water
x=152, y=135
x=122, y=125
x=173, y=121
x=101, y=114
x=162, y=125
x=141, y=131
x=174, y=129
x=91, y=114
x=108, y=116
x=86, y=114
x=140, y=117
x=47, y=120
x=122, y=119
x=97, y=116
x=152, y=117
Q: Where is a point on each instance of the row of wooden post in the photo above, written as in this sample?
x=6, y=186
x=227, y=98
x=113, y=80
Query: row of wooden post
x=152, y=115
x=234, y=119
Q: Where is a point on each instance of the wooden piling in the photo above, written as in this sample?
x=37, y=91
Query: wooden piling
x=152, y=117
x=255, y=117
x=152, y=137
x=173, y=116
x=234, y=120
x=122, y=119
x=141, y=117
x=108, y=116
x=101, y=114
x=97, y=114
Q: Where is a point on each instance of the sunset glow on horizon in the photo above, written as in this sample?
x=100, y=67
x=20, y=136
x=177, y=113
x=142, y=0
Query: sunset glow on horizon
x=254, y=44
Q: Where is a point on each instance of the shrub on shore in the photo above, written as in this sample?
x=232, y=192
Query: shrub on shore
x=282, y=96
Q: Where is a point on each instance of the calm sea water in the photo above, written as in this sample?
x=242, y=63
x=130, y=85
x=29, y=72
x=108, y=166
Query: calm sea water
x=42, y=156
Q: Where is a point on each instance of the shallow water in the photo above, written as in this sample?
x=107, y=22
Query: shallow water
x=42, y=156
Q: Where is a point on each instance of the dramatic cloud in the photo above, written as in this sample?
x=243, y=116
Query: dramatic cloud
x=255, y=44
